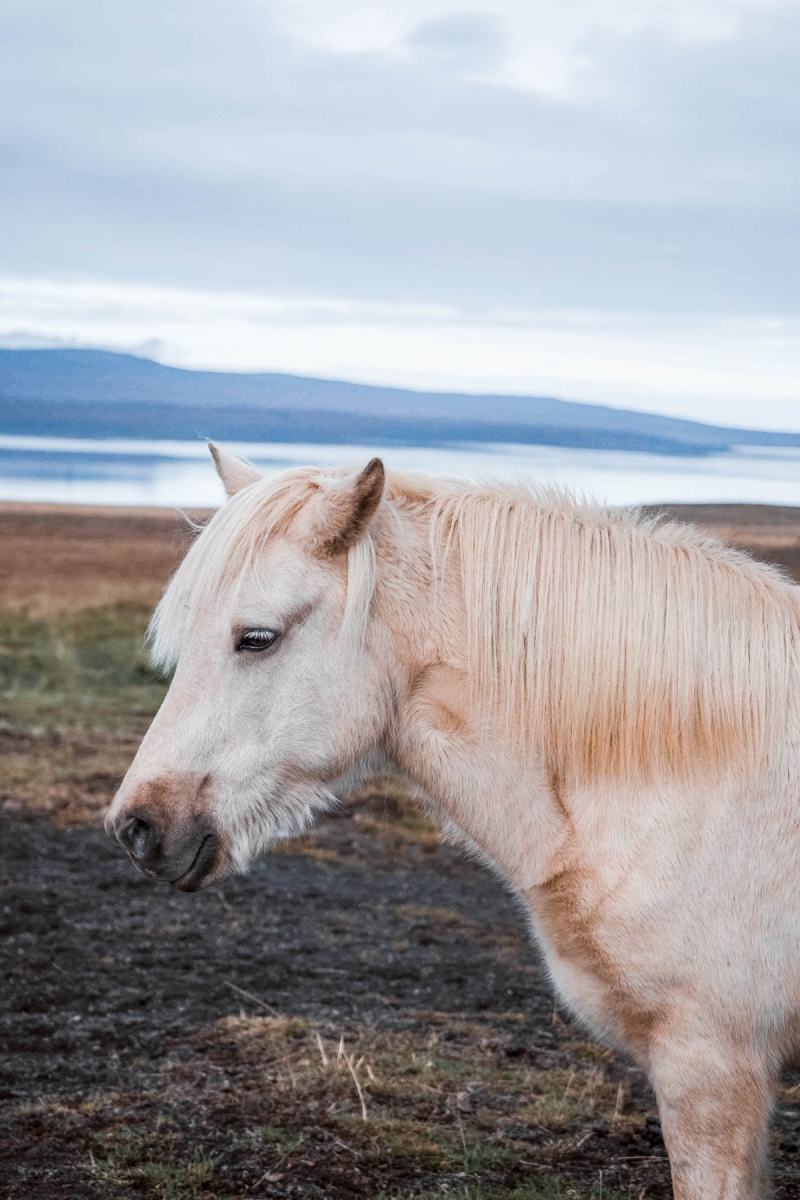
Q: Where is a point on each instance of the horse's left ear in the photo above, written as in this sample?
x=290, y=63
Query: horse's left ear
x=339, y=515
x=235, y=473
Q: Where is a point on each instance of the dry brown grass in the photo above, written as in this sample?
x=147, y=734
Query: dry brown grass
x=768, y=532
x=447, y=1095
x=68, y=777
x=75, y=697
x=63, y=558
x=444, y=1106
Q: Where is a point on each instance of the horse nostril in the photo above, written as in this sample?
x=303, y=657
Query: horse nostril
x=140, y=836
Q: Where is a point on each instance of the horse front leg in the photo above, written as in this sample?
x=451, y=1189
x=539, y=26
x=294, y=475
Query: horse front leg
x=714, y=1099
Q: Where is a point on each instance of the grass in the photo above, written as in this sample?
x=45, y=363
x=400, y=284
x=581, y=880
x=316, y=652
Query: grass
x=456, y=1073
x=133, y=1155
x=446, y=1102
x=81, y=670
x=406, y=1113
x=76, y=695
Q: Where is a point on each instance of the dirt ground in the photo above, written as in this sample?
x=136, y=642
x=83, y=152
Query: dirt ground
x=361, y=1016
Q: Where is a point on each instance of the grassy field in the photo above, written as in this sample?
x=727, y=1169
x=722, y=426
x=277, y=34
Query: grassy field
x=481, y=1104
x=77, y=670
x=76, y=695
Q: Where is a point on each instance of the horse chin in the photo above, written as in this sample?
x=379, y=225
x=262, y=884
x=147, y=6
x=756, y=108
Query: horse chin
x=209, y=865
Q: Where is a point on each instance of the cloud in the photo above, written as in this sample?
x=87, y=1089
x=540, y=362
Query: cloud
x=626, y=157
x=462, y=42
x=546, y=40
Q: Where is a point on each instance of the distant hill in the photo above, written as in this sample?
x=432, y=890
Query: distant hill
x=93, y=393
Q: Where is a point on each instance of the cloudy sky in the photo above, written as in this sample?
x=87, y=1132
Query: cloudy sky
x=596, y=199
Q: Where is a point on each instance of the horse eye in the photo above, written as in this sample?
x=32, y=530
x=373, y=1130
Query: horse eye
x=256, y=639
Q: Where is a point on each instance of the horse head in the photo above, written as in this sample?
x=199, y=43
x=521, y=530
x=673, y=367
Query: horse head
x=278, y=689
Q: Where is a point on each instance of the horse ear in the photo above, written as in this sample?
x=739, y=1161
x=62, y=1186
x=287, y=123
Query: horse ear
x=234, y=472
x=340, y=514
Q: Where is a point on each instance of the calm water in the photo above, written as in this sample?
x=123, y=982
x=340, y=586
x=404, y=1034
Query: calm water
x=64, y=470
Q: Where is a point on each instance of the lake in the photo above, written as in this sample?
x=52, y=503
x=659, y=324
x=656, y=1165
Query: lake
x=165, y=473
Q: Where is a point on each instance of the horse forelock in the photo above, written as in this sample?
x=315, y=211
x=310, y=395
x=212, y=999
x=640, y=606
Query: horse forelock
x=230, y=545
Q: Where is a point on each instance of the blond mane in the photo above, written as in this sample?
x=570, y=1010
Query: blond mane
x=624, y=646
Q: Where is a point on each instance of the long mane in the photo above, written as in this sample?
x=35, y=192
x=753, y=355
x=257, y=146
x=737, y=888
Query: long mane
x=625, y=646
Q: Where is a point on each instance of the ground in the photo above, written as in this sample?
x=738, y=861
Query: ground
x=361, y=1016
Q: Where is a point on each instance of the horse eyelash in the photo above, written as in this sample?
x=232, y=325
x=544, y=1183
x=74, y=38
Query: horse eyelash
x=266, y=638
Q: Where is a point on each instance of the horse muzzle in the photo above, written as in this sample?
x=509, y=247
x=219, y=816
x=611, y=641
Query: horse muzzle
x=187, y=854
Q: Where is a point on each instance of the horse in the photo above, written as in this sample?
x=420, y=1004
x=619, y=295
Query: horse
x=601, y=705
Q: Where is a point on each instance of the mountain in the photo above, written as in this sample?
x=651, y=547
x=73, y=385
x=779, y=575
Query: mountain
x=93, y=393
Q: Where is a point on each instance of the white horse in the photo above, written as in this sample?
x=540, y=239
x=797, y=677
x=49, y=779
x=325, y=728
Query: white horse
x=605, y=707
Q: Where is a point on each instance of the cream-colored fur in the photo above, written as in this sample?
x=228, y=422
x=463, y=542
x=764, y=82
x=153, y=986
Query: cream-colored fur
x=606, y=708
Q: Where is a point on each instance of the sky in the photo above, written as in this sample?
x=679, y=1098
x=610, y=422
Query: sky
x=583, y=198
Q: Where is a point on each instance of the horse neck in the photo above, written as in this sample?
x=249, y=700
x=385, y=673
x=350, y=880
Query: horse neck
x=476, y=779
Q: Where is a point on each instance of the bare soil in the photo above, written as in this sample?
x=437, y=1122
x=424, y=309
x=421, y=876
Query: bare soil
x=232, y=1043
